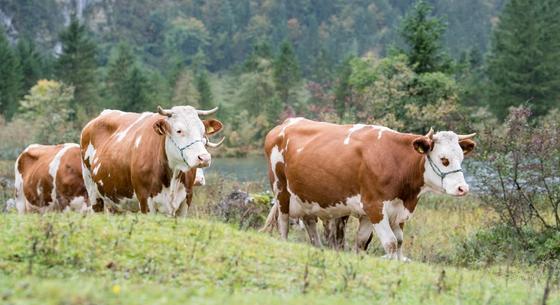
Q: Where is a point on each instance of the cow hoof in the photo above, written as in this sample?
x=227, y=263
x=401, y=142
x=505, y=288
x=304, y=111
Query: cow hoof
x=405, y=259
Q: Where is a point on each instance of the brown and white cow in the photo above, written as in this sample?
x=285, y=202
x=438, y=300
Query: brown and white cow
x=146, y=162
x=371, y=172
x=49, y=178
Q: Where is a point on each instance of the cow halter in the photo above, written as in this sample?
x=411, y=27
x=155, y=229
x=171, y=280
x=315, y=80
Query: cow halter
x=439, y=172
x=182, y=149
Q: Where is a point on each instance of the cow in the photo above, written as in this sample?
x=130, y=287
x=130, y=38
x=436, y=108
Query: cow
x=328, y=171
x=199, y=179
x=146, y=162
x=49, y=178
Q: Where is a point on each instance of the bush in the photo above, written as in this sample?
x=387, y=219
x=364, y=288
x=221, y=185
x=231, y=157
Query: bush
x=520, y=174
x=501, y=244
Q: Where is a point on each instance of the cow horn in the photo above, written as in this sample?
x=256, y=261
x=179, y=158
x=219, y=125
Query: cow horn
x=207, y=112
x=430, y=133
x=214, y=145
x=466, y=136
x=164, y=112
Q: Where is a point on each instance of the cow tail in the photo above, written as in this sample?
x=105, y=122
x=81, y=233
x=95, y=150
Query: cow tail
x=272, y=219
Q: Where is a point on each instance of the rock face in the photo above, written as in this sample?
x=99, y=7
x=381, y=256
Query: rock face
x=44, y=26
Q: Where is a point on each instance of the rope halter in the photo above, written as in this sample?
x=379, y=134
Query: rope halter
x=441, y=173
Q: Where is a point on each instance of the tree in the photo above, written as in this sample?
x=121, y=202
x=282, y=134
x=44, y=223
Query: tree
x=77, y=65
x=126, y=82
x=185, y=92
x=342, y=89
x=523, y=61
x=30, y=61
x=422, y=34
x=204, y=90
x=48, y=107
x=10, y=78
x=136, y=91
x=286, y=72
x=118, y=75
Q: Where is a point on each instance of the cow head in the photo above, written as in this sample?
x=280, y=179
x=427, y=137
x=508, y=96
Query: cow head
x=187, y=136
x=444, y=152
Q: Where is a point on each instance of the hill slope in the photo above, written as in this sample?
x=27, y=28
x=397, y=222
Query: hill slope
x=136, y=259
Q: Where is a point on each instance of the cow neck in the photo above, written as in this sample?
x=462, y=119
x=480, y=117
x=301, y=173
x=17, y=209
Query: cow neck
x=412, y=176
x=167, y=170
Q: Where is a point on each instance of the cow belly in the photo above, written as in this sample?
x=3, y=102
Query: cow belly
x=352, y=206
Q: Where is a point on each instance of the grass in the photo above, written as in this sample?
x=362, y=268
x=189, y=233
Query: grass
x=147, y=259
x=7, y=168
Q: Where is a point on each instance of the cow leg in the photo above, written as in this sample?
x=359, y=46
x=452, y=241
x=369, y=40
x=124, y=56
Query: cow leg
x=91, y=188
x=334, y=232
x=311, y=228
x=365, y=230
x=283, y=197
x=387, y=237
x=398, y=231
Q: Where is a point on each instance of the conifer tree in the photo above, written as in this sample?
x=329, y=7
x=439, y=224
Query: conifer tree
x=77, y=65
x=10, y=78
x=422, y=34
x=523, y=62
x=286, y=72
x=117, y=77
x=30, y=61
x=204, y=90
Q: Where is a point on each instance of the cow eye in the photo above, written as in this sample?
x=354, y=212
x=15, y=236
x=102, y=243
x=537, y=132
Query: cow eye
x=179, y=131
x=444, y=161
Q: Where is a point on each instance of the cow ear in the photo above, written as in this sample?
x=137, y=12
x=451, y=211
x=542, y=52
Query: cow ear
x=212, y=126
x=422, y=145
x=161, y=127
x=467, y=146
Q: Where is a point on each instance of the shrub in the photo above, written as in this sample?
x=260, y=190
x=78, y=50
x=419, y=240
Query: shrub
x=520, y=176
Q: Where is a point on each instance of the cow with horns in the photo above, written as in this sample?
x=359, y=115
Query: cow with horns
x=146, y=162
x=328, y=171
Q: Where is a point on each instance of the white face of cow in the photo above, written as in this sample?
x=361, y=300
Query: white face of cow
x=186, y=141
x=444, y=154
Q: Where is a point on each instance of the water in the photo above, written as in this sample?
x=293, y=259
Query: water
x=242, y=169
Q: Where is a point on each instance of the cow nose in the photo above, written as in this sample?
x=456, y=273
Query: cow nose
x=204, y=159
x=462, y=190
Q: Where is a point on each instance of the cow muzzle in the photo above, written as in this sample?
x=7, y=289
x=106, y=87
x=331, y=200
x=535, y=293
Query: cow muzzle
x=203, y=160
x=461, y=190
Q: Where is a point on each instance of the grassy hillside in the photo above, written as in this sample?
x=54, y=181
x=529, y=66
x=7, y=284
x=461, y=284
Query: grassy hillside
x=136, y=259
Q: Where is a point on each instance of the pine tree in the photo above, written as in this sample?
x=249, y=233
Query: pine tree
x=30, y=61
x=286, y=72
x=204, y=90
x=117, y=77
x=523, y=62
x=422, y=34
x=343, y=89
x=77, y=65
x=10, y=78
x=260, y=51
x=136, y=91
x=321, y=69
